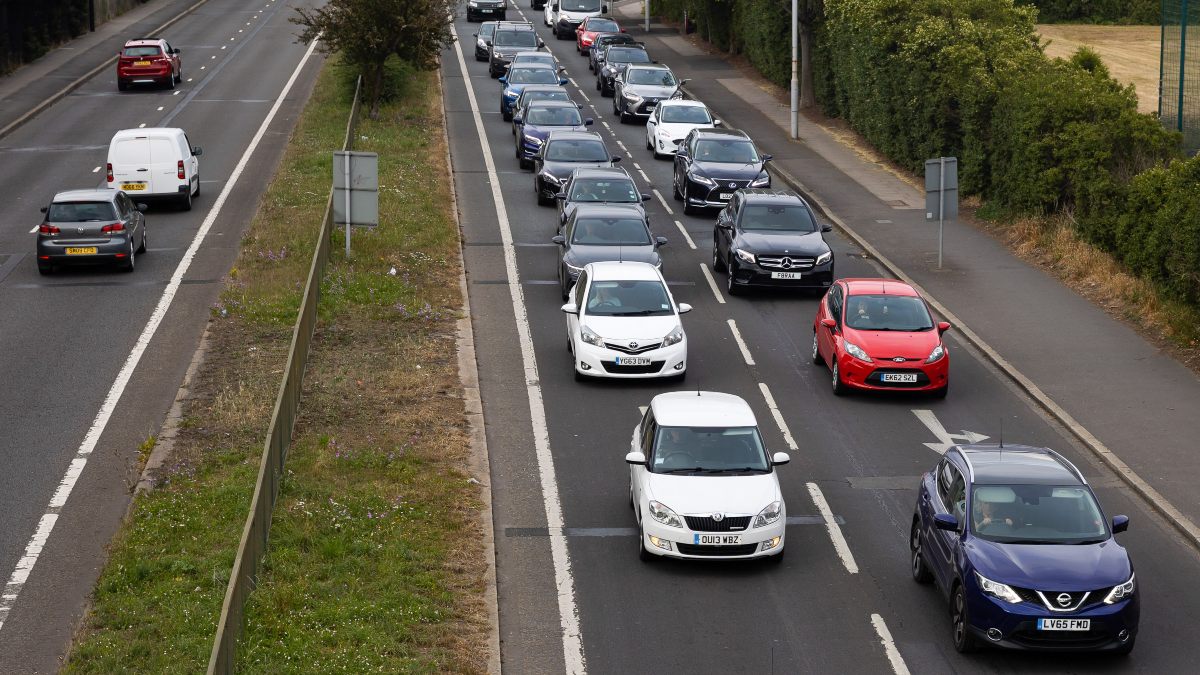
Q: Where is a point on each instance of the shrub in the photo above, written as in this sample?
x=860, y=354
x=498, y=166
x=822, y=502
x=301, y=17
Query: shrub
x=1096, y=11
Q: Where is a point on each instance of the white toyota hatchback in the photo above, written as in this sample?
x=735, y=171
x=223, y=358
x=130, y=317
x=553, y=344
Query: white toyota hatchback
x=671, y=122
x=623, y=322
x=701, y=483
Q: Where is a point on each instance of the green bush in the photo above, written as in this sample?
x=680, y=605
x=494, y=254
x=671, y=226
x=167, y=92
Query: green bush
x=1096, y=11
x=1157, y=234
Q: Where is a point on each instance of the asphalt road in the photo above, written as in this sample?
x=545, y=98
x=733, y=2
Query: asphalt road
x=822, y=610
x=63, y=339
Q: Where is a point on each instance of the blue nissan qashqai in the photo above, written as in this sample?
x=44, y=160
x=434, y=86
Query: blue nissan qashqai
x=1013, y=536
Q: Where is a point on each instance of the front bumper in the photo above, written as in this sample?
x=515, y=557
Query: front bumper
x=506, y=103
x=602, y=362
x=706, y=196
x=862, y=375
x=109, y=250
x=528, y=150
x=498, y=64
x=473, y=12
x=1017, y=624
x=750, y=274
x=666, y=146
x=681, y=541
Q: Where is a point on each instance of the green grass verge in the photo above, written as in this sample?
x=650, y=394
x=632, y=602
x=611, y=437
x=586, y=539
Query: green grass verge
x=373, y=561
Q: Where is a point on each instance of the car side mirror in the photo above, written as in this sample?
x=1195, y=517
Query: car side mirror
x=945, y=521
x=570, y=308
x=780, y=458
x=559, y=239
x=767, y=158
x=635, y=458
x=197, y=151
x=45, y=209
x=645, y=197
x=561, y=195
x=474, y=34
x=681, y=152
x=829, y=323
x=562, y=69
x=684, y=308
x=503, y=79
x=943, y=326
x=606, y=8
x=614, y=160
x=516, y=119
x=562, y=81
x=1120, y=524
x=541, y=43
x=660, y=241
x=717, y=123
x=587, y=122
x=826, y=227
x=684, y=81
x=142, y=207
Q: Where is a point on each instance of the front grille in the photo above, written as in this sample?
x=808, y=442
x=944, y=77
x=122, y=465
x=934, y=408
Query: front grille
x=626, y=349
x=716, y=551
x=876, y=378
x=786, y=262
x=647, y=106
x=707, y=524
x=1078, y=601
x=611, y=367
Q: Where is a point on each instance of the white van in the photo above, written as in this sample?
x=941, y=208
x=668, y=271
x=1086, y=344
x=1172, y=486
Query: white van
x=564, y=16
x=156, y=162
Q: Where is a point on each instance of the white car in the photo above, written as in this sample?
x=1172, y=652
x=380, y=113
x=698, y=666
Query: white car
x=701, y=483
x=622, y=322
x=671, y=122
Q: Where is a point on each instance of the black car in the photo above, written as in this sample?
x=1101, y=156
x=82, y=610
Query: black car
x=771, y=238
x=598, y=186
x=89, y=227
x=483, y=39
x=596, y=53
x=712, y=164
x=492, y=9
x=603, y=232
x=616, y=59
x=507, y=41
x=562, y=153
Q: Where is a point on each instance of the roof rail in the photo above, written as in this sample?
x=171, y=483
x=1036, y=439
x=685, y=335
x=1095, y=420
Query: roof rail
x=1075, y=470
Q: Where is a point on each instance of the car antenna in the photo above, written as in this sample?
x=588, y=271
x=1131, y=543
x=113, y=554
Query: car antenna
x=1002, y=435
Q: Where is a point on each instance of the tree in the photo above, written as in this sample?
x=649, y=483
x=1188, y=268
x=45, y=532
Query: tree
x=368, y=32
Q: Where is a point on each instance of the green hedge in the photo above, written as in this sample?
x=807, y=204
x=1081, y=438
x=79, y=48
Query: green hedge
x=30, y=29
x=1157, y=233
x=1096, y=11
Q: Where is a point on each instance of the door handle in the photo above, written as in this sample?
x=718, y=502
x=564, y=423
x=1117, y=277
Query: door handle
x=143, y=169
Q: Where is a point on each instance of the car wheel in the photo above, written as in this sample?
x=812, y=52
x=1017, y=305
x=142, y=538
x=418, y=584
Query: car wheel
x=643, y=554
x=179, y=76
x=718, y=265
x=688, y=209
x=579, y=377
x=185, y=202
x=675, y=190
x=599, y=87
x=616, y=106
x=128, y=267
x=920, y=571
x=562, y=286
x=171, y=81
x=941, y=393
x=731, y=287
x=650, y=146
x=507, y=115
x=839, y=387
x=816, y=351
x=541, y=197
x=964, y=642
x=525, y=163
x=142, y=247
x=1126, y=648
x=197, y=192
x=122, y=86
x=776, y=559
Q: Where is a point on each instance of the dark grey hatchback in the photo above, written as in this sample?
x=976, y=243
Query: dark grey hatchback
x=602, y=232
x=91, y=227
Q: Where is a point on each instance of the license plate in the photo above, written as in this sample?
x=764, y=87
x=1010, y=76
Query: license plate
x=633, y=361
x=718, y=539
x=141, y=63
x=785, y=275
x=1065, y=624
x=899, y=377
x=726, y=195
x=133, y=186
x=82, y=250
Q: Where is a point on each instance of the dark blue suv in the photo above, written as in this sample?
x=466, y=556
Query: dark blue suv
x=1014, y=537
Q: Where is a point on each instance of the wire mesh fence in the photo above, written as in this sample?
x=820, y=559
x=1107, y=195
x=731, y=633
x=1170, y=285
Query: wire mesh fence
x=1179, y=70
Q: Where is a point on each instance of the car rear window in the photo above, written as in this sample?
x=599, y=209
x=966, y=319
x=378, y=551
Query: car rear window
x=141, y=51
x=80, y=212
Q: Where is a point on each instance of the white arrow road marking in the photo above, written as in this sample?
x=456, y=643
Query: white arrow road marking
x=947, y=439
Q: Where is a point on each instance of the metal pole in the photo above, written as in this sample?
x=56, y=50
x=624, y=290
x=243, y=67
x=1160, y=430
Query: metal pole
x=795, y=75
x=92, y=15
x=346, y=157
x=646, y=4
x=1183, y=22
x=941, y=207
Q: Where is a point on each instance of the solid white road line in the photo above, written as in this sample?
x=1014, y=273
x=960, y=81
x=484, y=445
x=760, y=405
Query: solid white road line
x=889, y=645
x=637, y=166
x=33, y=548
x=835, y=531
x=686, y=237
x=664, y=203
x=775, y=412
x=568, y=613
x=737, y=336
x=712, y=283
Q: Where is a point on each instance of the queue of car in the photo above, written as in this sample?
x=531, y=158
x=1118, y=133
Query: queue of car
x=1013, y=537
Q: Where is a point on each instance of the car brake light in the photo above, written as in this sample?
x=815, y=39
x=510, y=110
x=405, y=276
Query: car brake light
x=48, y=229
x=115, y=227
x=110, y=176
x=179, y=170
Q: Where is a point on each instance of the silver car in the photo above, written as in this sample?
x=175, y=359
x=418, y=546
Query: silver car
x=639, y=89
x=91, y=227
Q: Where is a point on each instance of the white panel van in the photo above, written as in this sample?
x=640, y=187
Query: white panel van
x=154, y=163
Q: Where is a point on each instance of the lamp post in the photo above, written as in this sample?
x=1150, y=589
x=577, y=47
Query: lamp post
x=92, y=15
x=795, y=74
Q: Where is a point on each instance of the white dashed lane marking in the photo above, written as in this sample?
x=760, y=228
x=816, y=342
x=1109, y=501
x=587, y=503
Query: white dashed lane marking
x=737, y=337
x=712, y=283
x=686, y=237
x=835, y=531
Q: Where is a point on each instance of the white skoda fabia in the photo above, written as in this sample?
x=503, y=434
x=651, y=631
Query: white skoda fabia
x=623, y=322
x=701, y=483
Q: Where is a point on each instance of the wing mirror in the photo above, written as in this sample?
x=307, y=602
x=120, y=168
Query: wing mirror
x=645, y=197
x=614, y=160
x=45, y=209
x=197, y=151
x=570, y=308
x=503, y=79
x=684, y=81
x=684, y=308
x=142, y=207
x=767, y=158
x=681, y=151
x=474, y=34
x=559, y=239
x=780, y=458
x=541, y=43
x=829, y=323
x=826, y=227
x=635, y=458
x=516, y=119
x=943, y=326
x=717, y=123
x=660, y=241
x=177, y=50
x=562, y=81
x=561, y=195
x=1120, y=524
x=587, y=122
x=945, y=521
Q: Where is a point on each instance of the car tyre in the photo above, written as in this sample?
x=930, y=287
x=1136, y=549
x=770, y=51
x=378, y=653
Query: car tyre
x=579, y=377
x=185, y=202
x=688, y=209
x=128, y=267
x=960, y=627
x=920, y=571
x=142, y=247
x=839, y=387
x=675, y=190
x=1126, y=648
x=776, y=559
x=643, y=554
x=941, y=393
x=718, y=265
x=816, y=351
x=541, y=195
x=171, y=81
x=122, y=86
x=730, y=286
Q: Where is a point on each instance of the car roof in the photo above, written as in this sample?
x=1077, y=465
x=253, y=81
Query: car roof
x=533, y=52
x=568, y=135
x=147, y=131
x=602, y=172
x=716, y=132
x=701, y=409
x=770, y=196
x=144, y=42
x=545, y=103
x=613, y=270
x=648, y=66
x=85, y=195
x=609, y=210
x=855, y=286
x=681, y=102
x=1019, y=464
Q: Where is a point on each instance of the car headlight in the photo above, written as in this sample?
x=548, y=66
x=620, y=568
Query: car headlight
x=549, y=178
x=1120, y=591
x=937, y=353
x=745, y=256
x=762, y=181
x=998, y=590
x=824, y=258
x=481, y=43
x=769, y=515
x=674, y=337
x=703, y=180
x=631, y=97
x=589, y=337
x=664, y=515
x=534, y=140
x=510, y=93
x=857, y=352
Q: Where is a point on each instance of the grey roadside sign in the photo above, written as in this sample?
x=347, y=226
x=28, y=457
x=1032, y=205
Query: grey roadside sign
x=941, y=194
x=355, y=190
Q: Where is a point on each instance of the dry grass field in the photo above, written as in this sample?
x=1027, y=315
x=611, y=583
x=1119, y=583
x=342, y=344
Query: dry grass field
x=1130, y=52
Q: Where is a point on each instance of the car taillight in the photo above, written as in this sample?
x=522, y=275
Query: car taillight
x=179, y=170
x=115, y=227
x=48, y=229
x=110, y=176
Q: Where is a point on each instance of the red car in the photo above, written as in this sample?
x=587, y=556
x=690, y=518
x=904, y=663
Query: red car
x=879, y=334
x=590, y=28
x=148, y=61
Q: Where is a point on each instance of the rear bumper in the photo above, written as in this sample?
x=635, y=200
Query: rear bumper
x=108, y=252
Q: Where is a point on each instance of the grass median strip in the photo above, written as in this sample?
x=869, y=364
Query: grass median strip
x=375, y=561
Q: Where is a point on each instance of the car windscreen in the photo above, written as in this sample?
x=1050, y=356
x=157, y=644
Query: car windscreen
x=613, y=39
x=591, y=231
x=903, y=313
x=1037, y=514
x=701, y=450
x=621, y=190
x=655, y=76
x=602, y=25
x=141, y=51
x=532, y=76
x=579, y=5
x=515, y=38
x=537, y=57
x=557, y=94
x=777, y=218
x=626, y=55
x=80, y=212
x=685, y=114
x=554, y=117
x=725, y=151
x=567, y=150
x=628, y=298
x=487, y=29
